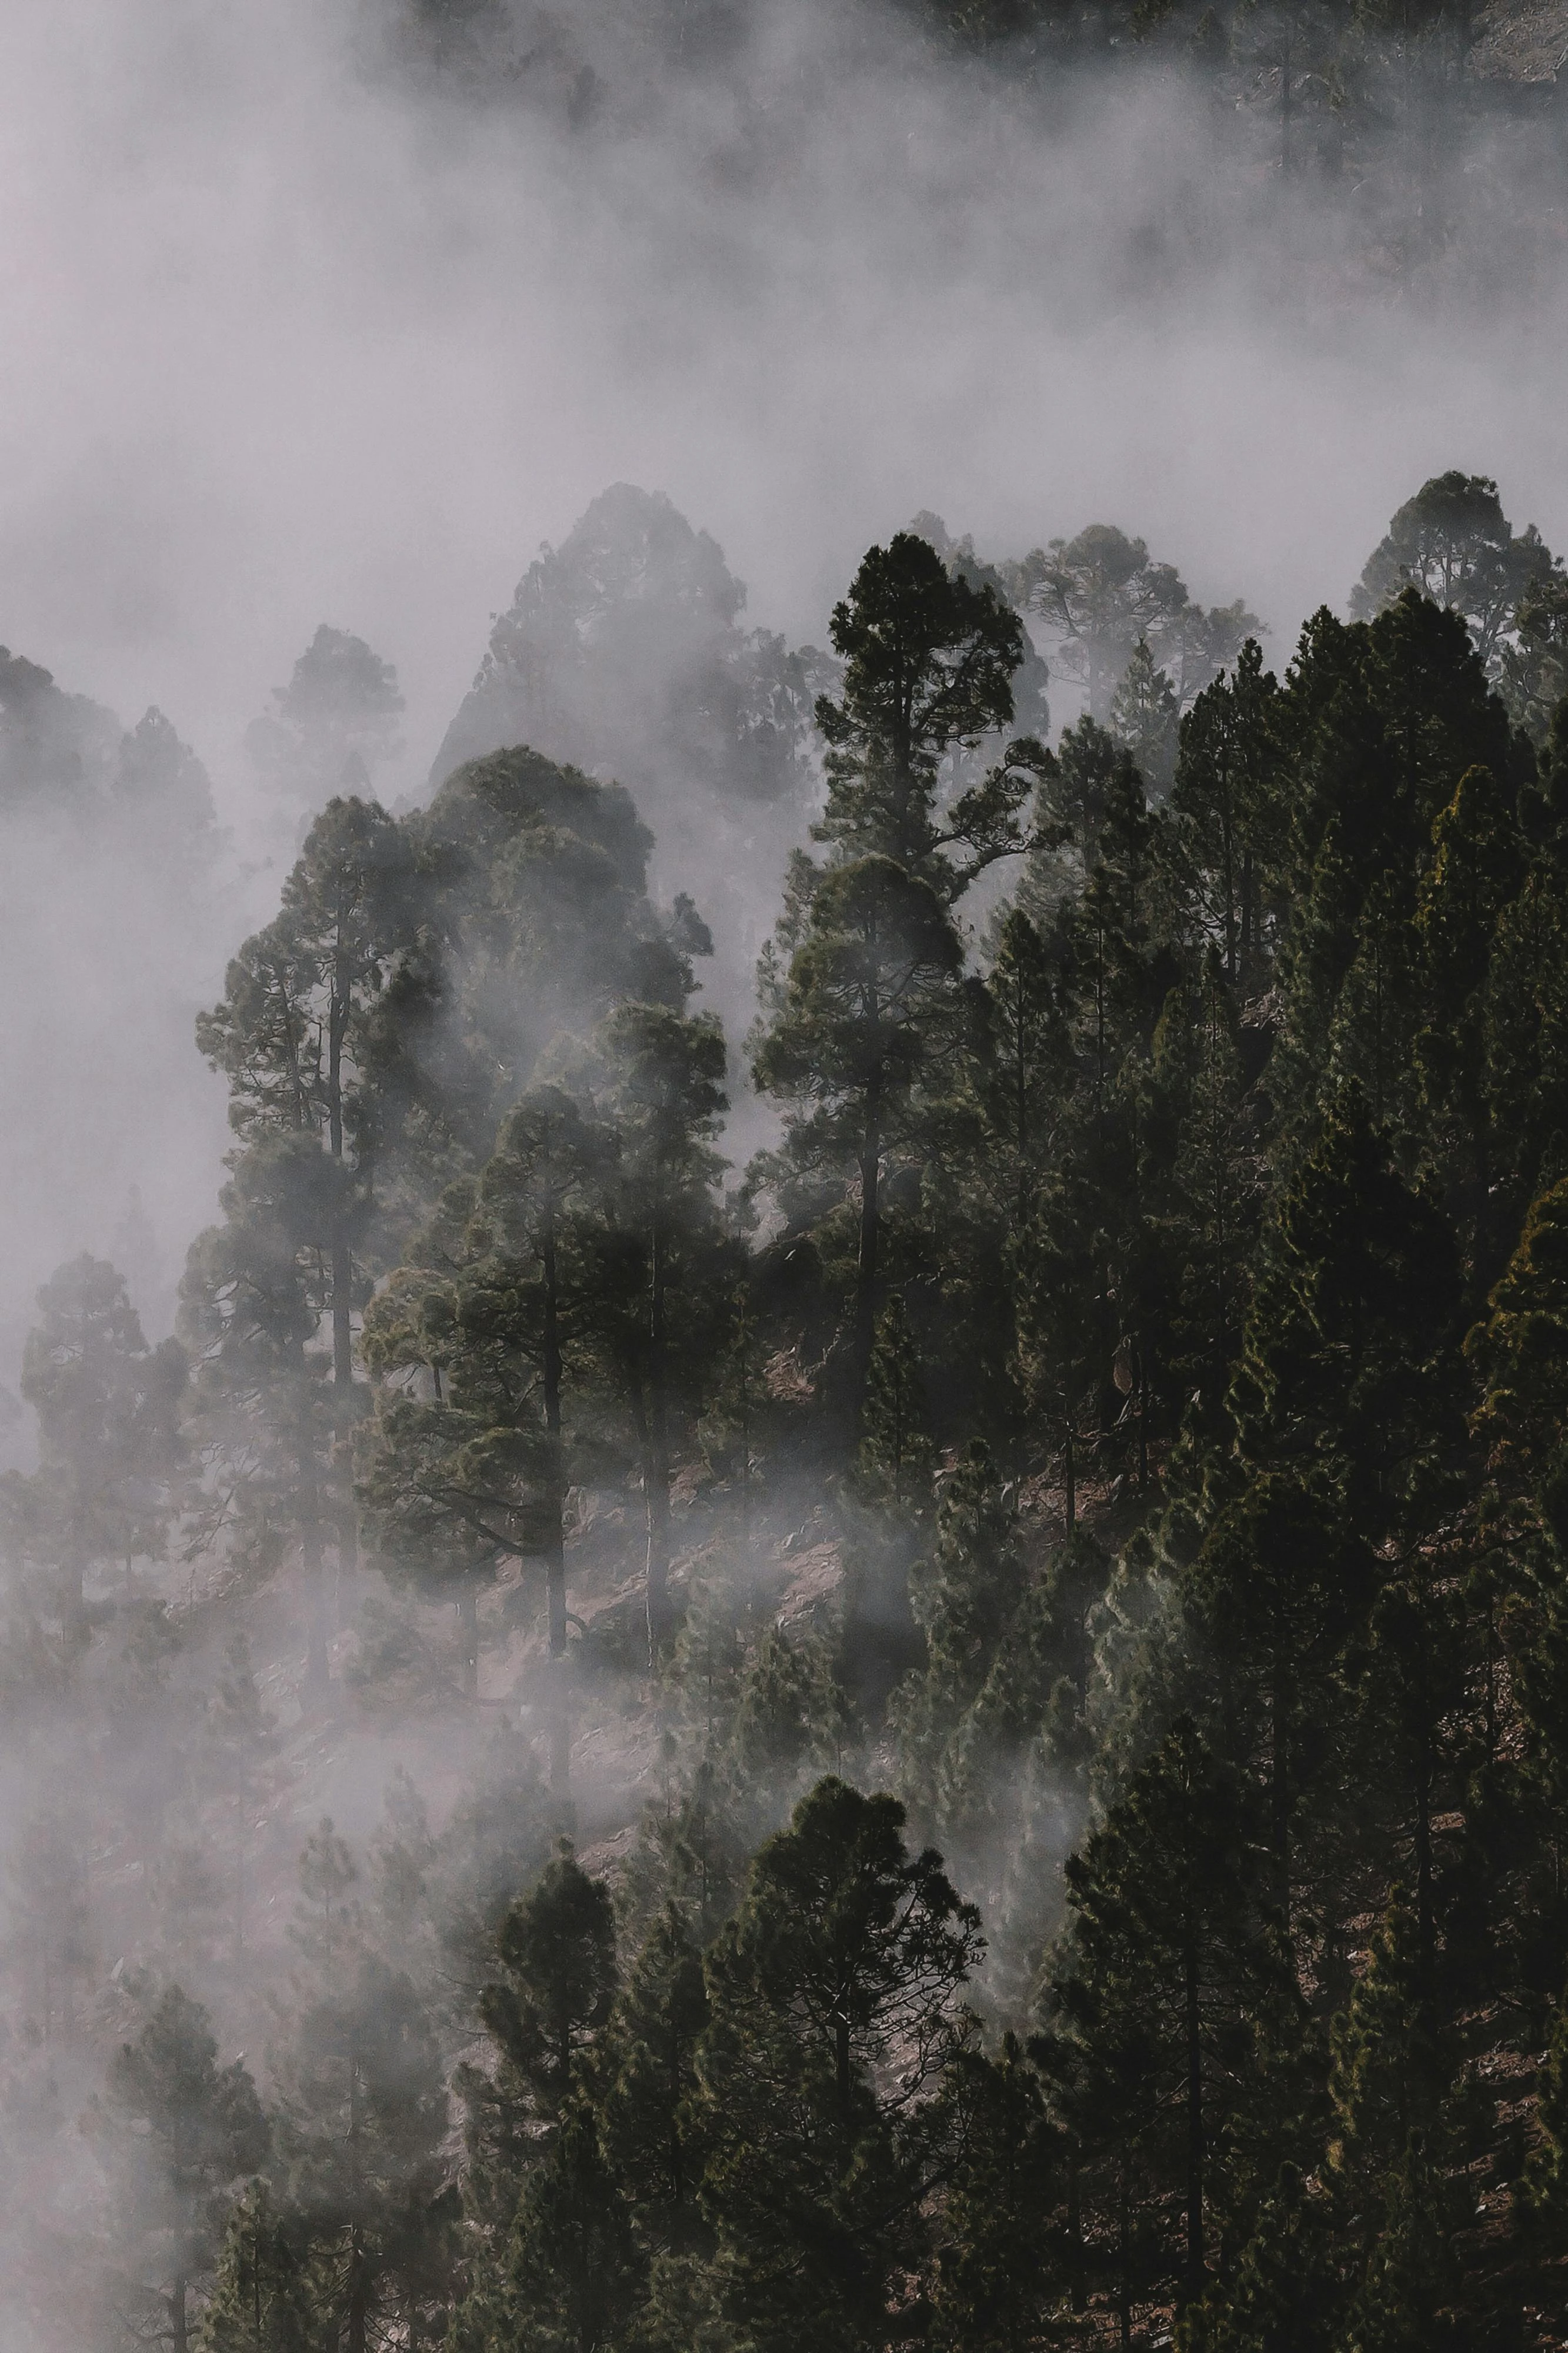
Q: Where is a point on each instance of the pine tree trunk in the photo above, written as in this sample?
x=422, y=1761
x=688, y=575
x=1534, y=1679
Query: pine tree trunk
x=869, y=1248
x=357, y=2331
x=556, y=1537
x=1194, y=2279
x=342, y=1289
x=318, y=1672
x=468, y=1624
x=179, y=2317
x=656, y=1507
x=1124, y=2255
x=1280, y=1789
x=555, y=1542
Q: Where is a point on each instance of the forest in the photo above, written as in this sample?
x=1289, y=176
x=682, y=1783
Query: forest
x=892, y=1675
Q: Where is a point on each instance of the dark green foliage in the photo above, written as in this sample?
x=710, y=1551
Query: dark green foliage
x=1067, y=1433
x=558, y=1946
x=650, y=2116
x=831, y=1993
x=203, y=2131
x=261, y=2299
x=1172, y=1983
x=1453, y=543
x=997, y=2265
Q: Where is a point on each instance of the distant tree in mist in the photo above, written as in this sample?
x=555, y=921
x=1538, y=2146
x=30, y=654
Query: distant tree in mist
x=202, y=2131
x=333, y=724
x=110, y=1442
x=578, y=1280
x=361, y=2117
x=540, y=920
x=162, y=793
x=295, y=1037
x=663, y=1277
x=1453, y=541
x=1101, y=593
x=1144, y=716
x=57, y=749
x=622, y=652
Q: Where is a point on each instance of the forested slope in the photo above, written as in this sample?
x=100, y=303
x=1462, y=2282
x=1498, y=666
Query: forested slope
x=956, y=1736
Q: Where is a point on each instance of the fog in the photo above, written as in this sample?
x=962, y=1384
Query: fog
x=295, y=332
x=300, y=328
x=286, y=341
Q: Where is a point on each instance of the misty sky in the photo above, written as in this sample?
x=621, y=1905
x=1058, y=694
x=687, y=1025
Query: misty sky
x=282, y=345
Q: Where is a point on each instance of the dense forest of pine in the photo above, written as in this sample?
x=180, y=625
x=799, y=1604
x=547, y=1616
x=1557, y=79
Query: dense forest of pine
x=947, y=1729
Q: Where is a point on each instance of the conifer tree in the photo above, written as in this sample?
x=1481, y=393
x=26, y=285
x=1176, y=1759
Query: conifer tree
x=997, y=2264
x=966, y=1599
x=896, y=1450
x=332, y=726
x=1062, y=1314
x=929, y=663
x=203, y=2131
x=662, y=1275
x=1349, y=1365
x=1230, y=825
x=573, y=2265
x=241, y=1732
x=649, y=2114
x=364, y=2116
x=295, y=1038
x=1172, y=1973
x=492, y=1309
x=1453, y=543
x=833, y=1993
x=557, y=1946
x=110, y=1447
x=1284, y=2295
x=261, y=2299
x=1144, y=715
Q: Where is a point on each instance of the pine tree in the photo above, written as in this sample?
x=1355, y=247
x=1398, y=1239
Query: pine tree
x=649, y=2124
x=833, y=1993
x=1062, y=1314
x=557, y=1946
x=1170, y=1975
x=1281, y=1586
x=363, y=2117
x=1144, y=716
x=241, y=1733
x=204, y=2130
x=872, y=979
x=1027, y=1073
x=1453, y=543
x=573, y=2263
x=966, y=1598
x=1284, y=2295
x=996, y=2265
x=261, y=2299
x=896, y=1452
x=662, y=1276
x=295, y=1038
x=111, y=1446
x=1349, y=1365
x=252, y=1300
x=332, y=725
x=1227, y=803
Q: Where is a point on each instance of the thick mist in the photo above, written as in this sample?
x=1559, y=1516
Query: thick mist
x=302, y=326
x=299, y=330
